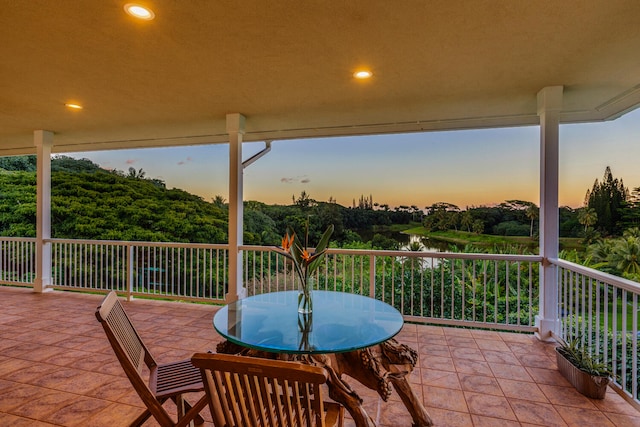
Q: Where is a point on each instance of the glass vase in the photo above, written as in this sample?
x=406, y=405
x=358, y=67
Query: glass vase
x=305, y=297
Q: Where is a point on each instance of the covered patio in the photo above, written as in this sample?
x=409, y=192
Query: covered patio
x=57, y=369
x=258, y=72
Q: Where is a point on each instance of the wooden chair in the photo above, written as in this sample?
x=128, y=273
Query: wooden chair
x=249, y=391
x=166, y=381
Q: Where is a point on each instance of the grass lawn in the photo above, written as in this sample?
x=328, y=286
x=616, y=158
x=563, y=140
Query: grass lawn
x=462, y=238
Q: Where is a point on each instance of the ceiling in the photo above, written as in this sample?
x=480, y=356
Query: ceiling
x=287, y=66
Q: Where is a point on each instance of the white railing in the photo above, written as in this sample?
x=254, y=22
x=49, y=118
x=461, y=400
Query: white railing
x=465, y=289
x=601, y=310
x=17, y=261
x=168, y=270
x=479, y=290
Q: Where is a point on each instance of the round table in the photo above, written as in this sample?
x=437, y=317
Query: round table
x=340, y=322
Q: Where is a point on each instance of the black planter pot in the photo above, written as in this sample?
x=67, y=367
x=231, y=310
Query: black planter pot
x=592, y=386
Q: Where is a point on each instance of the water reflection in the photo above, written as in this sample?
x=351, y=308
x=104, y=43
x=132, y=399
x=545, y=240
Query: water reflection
x=406, y=240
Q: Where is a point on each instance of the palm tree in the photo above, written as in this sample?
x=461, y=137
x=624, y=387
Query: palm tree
x=598, y=254
x=532, y=214
x=466, y=220
x=625, y=256
x=587, y=217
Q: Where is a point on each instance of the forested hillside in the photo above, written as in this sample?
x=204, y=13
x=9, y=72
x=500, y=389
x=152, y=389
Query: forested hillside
x=88, y=202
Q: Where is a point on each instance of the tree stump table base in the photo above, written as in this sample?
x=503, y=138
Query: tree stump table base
x=383, y=368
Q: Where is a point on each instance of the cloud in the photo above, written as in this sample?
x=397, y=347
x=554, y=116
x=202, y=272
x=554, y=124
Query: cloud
x=185, y=161
x=292, y=180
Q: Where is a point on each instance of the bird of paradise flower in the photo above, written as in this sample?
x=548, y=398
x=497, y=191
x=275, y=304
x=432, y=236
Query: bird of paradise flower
x=305, y=261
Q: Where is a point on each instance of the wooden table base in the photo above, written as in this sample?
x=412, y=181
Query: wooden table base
x=383, y=368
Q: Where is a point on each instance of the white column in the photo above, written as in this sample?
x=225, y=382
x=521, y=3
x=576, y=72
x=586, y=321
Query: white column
x=43, y=141
x=235, y=129
x=549, y=108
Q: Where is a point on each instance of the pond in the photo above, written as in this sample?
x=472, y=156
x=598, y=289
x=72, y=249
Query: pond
x=406, y=241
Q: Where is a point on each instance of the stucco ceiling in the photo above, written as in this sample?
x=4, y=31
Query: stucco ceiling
x=287, y=67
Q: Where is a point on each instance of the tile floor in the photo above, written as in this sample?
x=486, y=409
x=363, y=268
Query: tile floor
x=57, y=369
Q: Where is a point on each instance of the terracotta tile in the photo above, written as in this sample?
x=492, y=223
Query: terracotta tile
x=578, y=417
x=429, y=330
x=623, y=420
x=436, y=362
x=88, y=361
x=111, y=390
x=76, y=412
x=525, y=348
x=6, y=385
x=467, y=353
x=41, y=407
x=537, y=361
x=537, y=413
x=567, y=396
x=482, y=421
x=407, y=337
x=522, y=389
x=505, y=357
x=519, y=338
x=489, y=405
x=16, y=396
x=486, y=335
x=496, y=345
x=461, y=341
x=15, y=421
x=436, y=378
x=29, y=374
x=432, y=339
x=7, y=347
x=69, y=342
x=11, y=365
x=480, y=384
x=438, y=397
x=434, y=350
x=45, y=353
x=512, y=372
x=614, y=403
x=458, y=332
x=447, y=418
x=548, y=376
x=393, y=415
x=476, y=367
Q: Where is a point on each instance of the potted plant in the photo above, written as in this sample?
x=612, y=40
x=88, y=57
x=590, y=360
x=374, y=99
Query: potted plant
x=585, y=372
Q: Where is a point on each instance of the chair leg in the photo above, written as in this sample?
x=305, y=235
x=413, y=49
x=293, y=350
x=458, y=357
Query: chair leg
x=183, y=407
x=141, y=419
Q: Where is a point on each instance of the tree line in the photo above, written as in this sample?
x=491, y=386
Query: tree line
x=89, y=202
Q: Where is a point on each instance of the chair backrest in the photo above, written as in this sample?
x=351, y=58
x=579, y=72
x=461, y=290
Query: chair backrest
x=130, y=350
x=249, y=391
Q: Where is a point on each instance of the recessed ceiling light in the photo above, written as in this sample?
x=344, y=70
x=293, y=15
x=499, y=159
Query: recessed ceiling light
x=73, y=106
x=139, y=12
x=362, y=74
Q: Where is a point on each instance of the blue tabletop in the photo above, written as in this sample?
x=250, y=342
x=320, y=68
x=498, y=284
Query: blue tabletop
x=340, y=322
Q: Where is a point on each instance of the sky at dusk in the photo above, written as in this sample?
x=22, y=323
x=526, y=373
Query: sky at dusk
x=466, y=168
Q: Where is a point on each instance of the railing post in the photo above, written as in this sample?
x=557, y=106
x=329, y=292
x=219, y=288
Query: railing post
x=129, y=272
x=235, y=129
x=43, y=141
x=372, y=276
x=549, y=108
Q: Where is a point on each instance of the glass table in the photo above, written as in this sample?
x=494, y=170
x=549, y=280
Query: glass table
x=339, y=322
x=345, y=334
